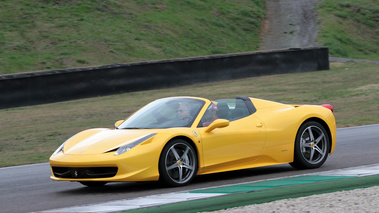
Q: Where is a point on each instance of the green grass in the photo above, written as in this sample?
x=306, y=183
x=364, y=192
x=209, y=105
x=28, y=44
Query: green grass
x=350, y=28
x=30, y=134
x=48, y=34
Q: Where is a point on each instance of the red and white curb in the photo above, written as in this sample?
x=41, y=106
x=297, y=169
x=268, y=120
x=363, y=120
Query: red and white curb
x=177, y=197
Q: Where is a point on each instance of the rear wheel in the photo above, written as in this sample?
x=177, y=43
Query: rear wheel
x=178, y=163
x=311, y=146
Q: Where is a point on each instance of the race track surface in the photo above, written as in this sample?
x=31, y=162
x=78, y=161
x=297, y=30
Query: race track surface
x=29, y=188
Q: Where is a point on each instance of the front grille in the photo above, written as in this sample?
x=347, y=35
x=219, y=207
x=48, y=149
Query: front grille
x=90, y=172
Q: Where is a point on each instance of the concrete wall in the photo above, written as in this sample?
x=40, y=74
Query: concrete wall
x=60, y=85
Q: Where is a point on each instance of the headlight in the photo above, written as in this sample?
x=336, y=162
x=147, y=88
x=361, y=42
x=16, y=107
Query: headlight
x=129, y=146
x=59, y=149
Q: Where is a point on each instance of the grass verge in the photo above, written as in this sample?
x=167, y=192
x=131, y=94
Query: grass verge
x=49, y=34
x=31, y=134
x=350, y=28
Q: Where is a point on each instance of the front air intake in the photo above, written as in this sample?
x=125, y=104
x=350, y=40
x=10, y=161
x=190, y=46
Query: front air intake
x=90, y=172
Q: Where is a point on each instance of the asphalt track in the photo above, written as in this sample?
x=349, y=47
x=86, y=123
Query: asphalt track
x=225, y=197
x=29, y=189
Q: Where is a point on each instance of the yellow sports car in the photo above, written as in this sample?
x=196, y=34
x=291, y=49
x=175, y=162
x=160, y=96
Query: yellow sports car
x=174, y=139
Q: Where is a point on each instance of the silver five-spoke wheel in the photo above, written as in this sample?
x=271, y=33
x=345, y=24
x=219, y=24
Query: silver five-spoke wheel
x=178, y=163
x=311, y=146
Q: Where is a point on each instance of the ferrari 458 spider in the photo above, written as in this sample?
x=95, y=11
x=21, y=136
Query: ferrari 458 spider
x=174, y=139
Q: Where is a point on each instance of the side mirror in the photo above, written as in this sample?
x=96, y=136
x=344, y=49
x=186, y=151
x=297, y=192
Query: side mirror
x=118, y=123
x=219, y=123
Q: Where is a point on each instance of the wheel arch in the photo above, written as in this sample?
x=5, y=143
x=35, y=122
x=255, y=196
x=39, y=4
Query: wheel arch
x=165, y=176
x=190, y=141
x=323, y=124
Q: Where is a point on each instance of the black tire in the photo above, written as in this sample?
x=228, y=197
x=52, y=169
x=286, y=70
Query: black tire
x=93, y=183
x=312, y=146
x=178, y=163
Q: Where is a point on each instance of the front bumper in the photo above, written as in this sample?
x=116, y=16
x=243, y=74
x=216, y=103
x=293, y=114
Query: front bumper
x=105, y=167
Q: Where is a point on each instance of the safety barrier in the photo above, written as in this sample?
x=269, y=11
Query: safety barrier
x=60, y=85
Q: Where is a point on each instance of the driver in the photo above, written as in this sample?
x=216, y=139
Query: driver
x=184, y=112
x=210, y=115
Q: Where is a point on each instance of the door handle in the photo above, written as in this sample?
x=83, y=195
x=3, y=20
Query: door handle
x=259, y=124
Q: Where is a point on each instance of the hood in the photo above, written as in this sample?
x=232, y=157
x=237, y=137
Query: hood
x=97, y=141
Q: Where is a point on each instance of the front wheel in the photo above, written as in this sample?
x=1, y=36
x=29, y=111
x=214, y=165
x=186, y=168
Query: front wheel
x=311, y=146
x=178, y=163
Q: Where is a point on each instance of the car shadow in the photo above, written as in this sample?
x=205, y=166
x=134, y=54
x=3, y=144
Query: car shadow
x=200, y=181
x=244, y=173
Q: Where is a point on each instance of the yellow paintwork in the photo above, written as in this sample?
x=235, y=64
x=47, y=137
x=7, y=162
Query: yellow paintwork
x=264, y=138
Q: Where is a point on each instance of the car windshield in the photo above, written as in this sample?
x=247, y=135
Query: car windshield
x=165, y=113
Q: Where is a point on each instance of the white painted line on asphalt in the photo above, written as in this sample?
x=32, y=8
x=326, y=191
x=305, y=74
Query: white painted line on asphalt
x=162, y=199
x=142, y=202
x=357, y=171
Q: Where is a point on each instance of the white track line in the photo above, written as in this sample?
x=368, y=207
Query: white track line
x=176, y=197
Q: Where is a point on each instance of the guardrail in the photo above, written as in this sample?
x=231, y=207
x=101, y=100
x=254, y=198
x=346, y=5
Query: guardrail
x=60, y=85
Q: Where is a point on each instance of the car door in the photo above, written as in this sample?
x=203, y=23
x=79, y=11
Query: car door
x=236, y=145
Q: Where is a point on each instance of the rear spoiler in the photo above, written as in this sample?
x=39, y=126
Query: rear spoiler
x=328, y=106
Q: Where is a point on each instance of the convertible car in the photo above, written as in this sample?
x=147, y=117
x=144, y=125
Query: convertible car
x=174, y=139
